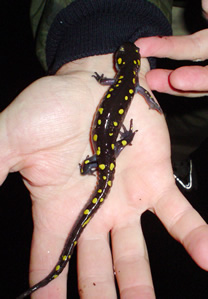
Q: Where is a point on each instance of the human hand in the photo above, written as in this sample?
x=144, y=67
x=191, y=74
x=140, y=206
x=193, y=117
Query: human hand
x=187, y=80
x=44, y=135
x=204, y=4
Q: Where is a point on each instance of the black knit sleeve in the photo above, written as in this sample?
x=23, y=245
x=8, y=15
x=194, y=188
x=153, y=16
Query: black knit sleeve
x=88, y=27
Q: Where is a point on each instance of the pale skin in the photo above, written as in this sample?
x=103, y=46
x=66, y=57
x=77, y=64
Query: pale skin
x=44, y=135
x=190, y=81
x=204, y=4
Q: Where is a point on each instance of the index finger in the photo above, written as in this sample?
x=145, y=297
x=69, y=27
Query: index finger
x=187, y=47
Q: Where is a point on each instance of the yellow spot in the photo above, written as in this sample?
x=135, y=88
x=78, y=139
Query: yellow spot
x=112, y=165
x=108, y=96
x=86, y=212
x=112, y=146
x=115, y=123
x=135, y=62
x=94, y=200
x=121, y=77
x=98, y=151
x=100, y=191
x=111, y=89
x=134, y=80
x=86, y=222
x=55, y=276
x=138, y=61
x=119, y=81
x=99, y=121
x=58, y=267
x=95, y=137
x=100, y=110
x=124, y=62
x=109, y=183
x=110, y=134
x=102, y=166
x=131, y=91
x=69, y=256
x=119, y=61
x=126, y=98
x=82, y=170
x=124, y=142
x=121, y=111
x=87, y=161
x=64, y=258
x=75, y=243
x=104, y=177
x=117, y=85
x=134, y=73
x=101, y=200
x=137, y=51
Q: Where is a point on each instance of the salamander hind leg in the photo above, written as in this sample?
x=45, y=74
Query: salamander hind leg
x=149, y=99
x=89, y=165
x=126, y=138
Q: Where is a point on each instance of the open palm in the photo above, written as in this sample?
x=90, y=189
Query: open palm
x=44, y=135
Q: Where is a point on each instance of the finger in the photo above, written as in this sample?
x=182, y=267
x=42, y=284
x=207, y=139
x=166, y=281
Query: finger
x=167, y=81
x=184, y=224
x=190, y=78
x=158, y=79
x=49, y=237
x=131, y=263
x=95, y=270
x=205, y=8
x=45, y=252
x=190, y=47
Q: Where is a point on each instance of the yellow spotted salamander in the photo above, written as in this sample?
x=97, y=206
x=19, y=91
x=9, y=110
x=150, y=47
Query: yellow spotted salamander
x=106, y=128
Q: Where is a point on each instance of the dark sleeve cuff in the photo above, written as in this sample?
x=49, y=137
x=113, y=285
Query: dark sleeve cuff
x=88, y=27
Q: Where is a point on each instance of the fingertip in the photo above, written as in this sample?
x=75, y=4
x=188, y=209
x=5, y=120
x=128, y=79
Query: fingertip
x=177, y=80
x=148, y=45
x=190, y=78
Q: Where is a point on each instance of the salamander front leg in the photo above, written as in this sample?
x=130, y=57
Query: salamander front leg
x=126, y=138
x=149, y=99
x=103, y=80
x=89, y=165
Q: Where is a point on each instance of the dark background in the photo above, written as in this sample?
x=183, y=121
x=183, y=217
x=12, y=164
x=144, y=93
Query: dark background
x=175, y=275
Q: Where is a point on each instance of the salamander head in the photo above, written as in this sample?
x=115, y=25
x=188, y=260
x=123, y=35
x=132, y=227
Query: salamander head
x=125, y=54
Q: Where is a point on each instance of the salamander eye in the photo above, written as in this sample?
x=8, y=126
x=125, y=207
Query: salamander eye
x=121, y=49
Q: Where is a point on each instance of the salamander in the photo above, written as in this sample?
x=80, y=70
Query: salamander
x=106, y=128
